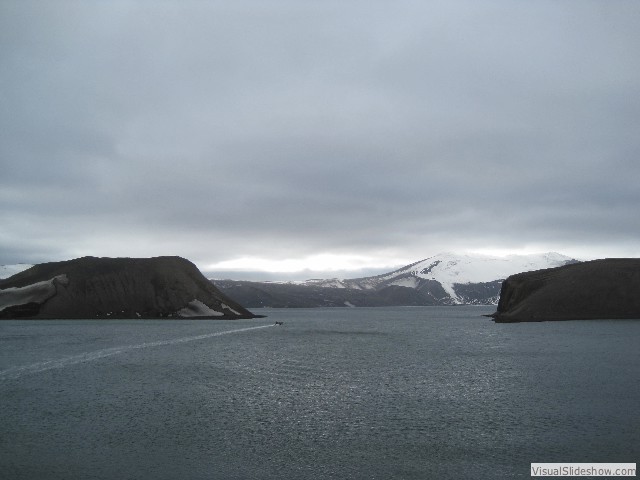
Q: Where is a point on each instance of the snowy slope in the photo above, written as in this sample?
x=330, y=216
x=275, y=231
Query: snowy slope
x=38, y=292
x=450, y=269
x=7, y=271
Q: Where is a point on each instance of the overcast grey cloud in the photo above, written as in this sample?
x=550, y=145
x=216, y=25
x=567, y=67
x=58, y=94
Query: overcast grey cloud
x=342, y=134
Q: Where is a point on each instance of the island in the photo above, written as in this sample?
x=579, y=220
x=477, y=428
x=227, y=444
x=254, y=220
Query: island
x=123, y=288
x=598, y=289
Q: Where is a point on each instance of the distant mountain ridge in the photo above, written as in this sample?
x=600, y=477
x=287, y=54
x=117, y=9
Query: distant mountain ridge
x=443, y=279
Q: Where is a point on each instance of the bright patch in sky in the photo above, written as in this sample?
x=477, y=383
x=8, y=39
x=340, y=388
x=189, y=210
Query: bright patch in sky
x=325, y=262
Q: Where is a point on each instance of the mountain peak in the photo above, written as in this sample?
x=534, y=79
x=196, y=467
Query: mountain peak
x=451, y=269
x=446, y=278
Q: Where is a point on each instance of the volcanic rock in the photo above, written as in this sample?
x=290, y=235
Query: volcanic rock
x=599, y=289
x=91, y=287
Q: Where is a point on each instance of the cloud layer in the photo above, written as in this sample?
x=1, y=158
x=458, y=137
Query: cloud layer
x=282, y=130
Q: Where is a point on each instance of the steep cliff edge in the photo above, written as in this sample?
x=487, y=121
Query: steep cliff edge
x=91, y=287
x=599, y=289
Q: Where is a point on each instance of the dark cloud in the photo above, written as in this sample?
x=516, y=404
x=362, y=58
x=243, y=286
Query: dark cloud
x=282, y=130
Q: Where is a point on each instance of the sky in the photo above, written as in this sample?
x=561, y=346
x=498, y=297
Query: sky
x=299, y=138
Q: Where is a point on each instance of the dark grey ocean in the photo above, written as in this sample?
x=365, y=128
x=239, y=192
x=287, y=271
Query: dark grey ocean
x=362, y=393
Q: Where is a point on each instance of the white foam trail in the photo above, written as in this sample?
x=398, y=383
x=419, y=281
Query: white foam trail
x=15, y=372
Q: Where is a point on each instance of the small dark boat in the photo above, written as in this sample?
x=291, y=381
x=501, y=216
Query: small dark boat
x=279, y=323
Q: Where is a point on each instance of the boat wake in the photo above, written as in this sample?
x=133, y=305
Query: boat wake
x=16, y=372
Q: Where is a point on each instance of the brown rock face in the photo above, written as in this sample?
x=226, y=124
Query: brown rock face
x=600, y=289
x=91, y=287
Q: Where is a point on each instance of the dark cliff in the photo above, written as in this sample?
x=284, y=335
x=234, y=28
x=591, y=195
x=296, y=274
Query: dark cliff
x=91, y=287
x=599, y=289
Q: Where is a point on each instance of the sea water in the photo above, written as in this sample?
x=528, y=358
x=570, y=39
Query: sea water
x=361, y=393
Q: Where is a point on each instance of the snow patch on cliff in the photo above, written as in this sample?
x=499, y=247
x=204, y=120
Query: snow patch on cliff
x=224, y=305
x=36, y=293
x=195, y=308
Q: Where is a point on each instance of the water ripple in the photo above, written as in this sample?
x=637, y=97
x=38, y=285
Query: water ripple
x=16, y=372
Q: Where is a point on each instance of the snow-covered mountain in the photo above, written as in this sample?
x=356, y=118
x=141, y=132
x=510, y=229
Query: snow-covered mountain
x=7, y=271
x=452, y=271
x=444, y=279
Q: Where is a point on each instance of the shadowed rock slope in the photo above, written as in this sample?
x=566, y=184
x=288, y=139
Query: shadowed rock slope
x=599, y=289
x=288, y=295
x=91, y=287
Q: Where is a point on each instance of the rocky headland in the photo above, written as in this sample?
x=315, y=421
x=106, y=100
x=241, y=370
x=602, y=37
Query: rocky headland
x=92, y=287
x=599, y=289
